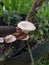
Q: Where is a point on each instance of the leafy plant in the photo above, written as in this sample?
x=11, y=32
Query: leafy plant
x=22, y=6
x=6, y=4
x=14, y=5
x=43, y=29
x=1, y=10
x=43, y=12
x=11, y=18
x=42, y=32
x=44, y=60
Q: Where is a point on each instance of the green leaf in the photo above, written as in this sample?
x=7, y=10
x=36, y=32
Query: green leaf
x=1, y=10
x=7, y=4
x=14, y=4
x=41, y=31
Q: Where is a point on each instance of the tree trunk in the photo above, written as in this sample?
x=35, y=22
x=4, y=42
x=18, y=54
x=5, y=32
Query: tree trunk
x=33, y=10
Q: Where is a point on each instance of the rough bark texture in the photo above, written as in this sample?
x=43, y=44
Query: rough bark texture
x=33, y=10
x=6, y=30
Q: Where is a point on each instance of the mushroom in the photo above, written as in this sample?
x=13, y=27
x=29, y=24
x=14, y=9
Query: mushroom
x=10, y=38
x=26, y=26
x=23, y=36
x=18, y=32
x=1, y=40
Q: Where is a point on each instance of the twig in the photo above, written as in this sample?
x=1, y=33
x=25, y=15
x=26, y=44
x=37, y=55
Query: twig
x=30, y=52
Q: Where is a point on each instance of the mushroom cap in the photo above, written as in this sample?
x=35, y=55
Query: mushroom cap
x=26, y=25
x=10, y=38
x=1, y=40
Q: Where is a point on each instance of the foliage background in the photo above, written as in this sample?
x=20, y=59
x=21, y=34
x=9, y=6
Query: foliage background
x=23, y=6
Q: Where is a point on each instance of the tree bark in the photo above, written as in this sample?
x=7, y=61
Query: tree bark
x=33, y=10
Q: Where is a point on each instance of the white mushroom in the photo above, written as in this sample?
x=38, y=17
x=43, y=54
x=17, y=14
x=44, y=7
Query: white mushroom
x=1, y=40
x=26, y=26
x=10, y=38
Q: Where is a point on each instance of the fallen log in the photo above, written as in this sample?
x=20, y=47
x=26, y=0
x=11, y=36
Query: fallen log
x=6, y=30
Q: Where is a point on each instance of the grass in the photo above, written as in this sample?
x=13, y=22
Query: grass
x=22, y=6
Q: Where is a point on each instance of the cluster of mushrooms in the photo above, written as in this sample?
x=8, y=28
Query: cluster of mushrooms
x=21, y=32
